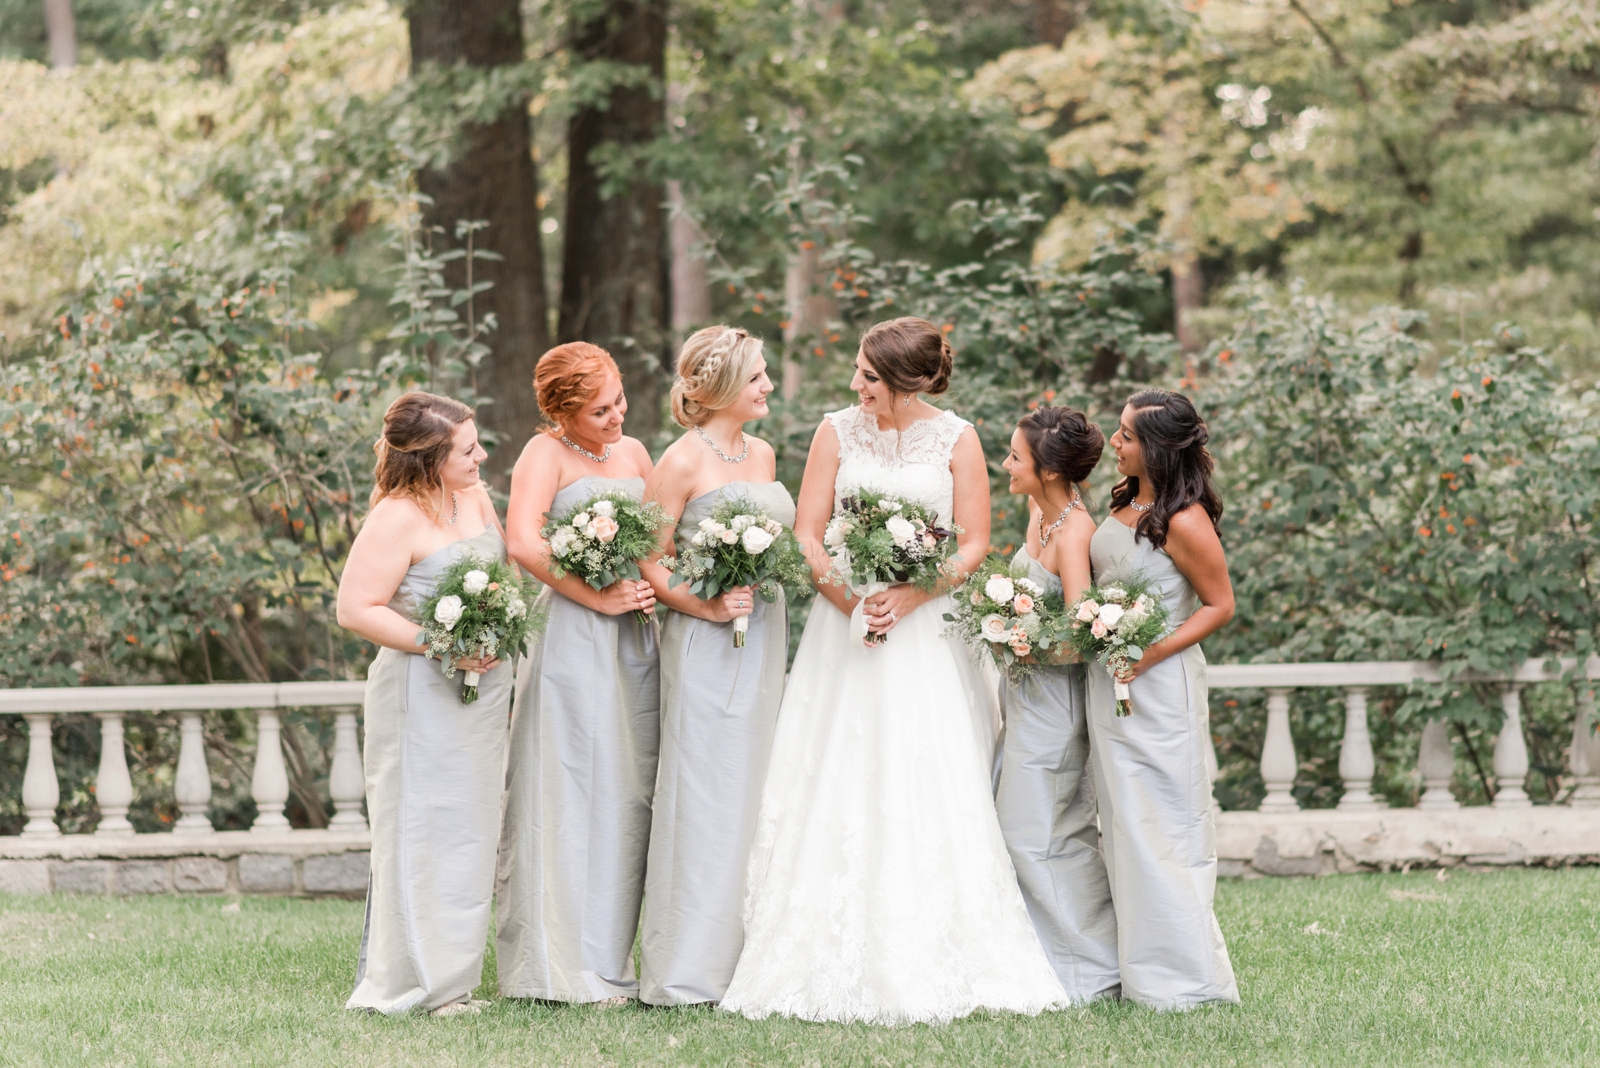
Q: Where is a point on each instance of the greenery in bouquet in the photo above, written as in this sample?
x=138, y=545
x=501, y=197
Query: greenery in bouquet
x=1001, y=610
x=740, y=545
x=1115, y=623
x=876, y=538
x=480, y=608
x=603, y=539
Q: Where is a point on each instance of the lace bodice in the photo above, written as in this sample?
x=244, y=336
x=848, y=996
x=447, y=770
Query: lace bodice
x=914, y=464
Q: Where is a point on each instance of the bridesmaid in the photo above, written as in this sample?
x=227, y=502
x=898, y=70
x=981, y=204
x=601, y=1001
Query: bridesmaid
x=432, y=763
x=584, y=732
x=1046, y=798
x=719, y=705
x=1150, y=767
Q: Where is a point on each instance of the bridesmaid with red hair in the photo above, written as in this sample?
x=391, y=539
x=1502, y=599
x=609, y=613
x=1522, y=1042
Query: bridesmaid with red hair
x=584, y=730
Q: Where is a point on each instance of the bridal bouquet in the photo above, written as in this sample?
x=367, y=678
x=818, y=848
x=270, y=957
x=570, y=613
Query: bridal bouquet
x=876, y=541
x=999, y=608
x=603, y=539
x=1115, y=624
x=479, y=608
x=739, y=545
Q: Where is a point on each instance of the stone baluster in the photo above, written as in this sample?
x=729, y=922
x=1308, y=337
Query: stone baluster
x=113, y=788
x=1436, y=760
x=1511, y=753
x=269, y=784
x=1356, y=765
x=346, y=783
x=1585, y=751
x=41, y=791
x=193, y=784
x=1278, y=764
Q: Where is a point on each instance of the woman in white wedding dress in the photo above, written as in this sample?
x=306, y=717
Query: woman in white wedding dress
x=880, y=889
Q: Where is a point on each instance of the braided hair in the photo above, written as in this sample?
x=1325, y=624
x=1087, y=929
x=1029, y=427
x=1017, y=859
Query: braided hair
x=417, y=433
x=1172, y=439
x=715, y=365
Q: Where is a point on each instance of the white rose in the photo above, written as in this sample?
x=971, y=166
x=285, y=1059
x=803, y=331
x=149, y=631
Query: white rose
x=1030, y=586
x=773, y=527
x=708, y=525
x=515, y=608
x=834, y=536
x=699, y=538
x=1115, y=593
x=1111, y=614
x=741, y=523
x=889, y=506
x=756, y=541
x=448, y=611
x=475, y=581
x=605, y=508
x=901, y=530
x=728, y=537
x=580, y=520
x=999, y=588
x=561, y=541
x=995, y=629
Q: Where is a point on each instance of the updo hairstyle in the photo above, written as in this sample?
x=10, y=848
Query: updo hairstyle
x=1172, y=441
x=414, y=445
x=715, y=365
x=568, y=377
x=1063, y=441
x=910, y=355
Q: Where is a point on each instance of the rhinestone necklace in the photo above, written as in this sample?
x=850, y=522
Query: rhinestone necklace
x=724, y=457
x=1045, y=532
x=454, y=509
x=1137, y=507
x=575, y=447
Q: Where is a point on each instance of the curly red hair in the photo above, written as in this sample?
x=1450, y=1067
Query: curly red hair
x=568, y=377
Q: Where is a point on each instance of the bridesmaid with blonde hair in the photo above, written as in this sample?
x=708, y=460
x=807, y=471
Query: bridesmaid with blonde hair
x=582, y=763
x=719, y=704
x=432, y=764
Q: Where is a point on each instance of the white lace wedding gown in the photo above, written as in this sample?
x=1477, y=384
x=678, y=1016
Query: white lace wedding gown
x=880, y=888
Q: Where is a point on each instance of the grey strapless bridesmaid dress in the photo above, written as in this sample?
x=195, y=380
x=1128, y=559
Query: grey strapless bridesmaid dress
x=1046, y=802
x=433, y=799
x=719, y=707
x=1158, y=836
x=579, y=777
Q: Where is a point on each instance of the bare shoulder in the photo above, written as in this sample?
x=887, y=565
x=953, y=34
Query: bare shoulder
x=1192, y=527
x=762, y=450
x=394, y=518
x=541, y=448
x=967, y=445
x=634, y=450
x=485, y=501
x=826, y=439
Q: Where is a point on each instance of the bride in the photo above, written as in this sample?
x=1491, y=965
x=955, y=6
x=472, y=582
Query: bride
x=880, y=889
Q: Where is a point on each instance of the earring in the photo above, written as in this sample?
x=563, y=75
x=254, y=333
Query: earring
x=906, y=403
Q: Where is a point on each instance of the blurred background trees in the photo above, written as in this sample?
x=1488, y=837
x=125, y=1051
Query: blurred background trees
x=230, y=231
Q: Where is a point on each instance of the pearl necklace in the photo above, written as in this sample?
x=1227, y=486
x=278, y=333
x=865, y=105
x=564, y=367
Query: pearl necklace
x=1044, y=533
x=575, y=447
x=724, y=457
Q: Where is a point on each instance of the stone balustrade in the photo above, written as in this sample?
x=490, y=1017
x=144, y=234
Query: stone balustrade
x=1279, y=838
x=270, y=857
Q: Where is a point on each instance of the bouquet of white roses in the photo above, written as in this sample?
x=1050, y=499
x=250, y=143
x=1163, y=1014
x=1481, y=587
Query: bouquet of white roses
x=1115, y=624
x=479, y=608
x=1000, y=609
x=603, y=539
x=739, y=545
x=876, y=541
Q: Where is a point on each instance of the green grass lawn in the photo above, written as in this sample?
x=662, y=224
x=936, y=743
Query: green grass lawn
x=1483, y=968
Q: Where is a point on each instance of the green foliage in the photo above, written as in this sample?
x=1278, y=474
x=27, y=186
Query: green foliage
x=603, y=538
x=877, y=538
x=479, y=608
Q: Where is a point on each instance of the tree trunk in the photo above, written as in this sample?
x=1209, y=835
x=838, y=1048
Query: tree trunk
x=1177, y=227
x=1054, y=19
x=691, y=279
x=809, y=307
x=615, y=263
x=63, y=32
x=493, y=179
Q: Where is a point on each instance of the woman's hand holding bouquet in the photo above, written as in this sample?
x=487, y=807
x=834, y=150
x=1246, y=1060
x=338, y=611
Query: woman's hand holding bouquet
x=1115, y=624
x=603, y=539
x=478, y=610
x=876, y=541
x=739, y=545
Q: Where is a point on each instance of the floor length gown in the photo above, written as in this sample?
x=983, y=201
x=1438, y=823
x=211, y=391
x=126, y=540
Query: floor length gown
x=578, y=779
x=1046, y=803
x=433, y=799
x=1156, y=825
x=719, y=706
x=880, y=887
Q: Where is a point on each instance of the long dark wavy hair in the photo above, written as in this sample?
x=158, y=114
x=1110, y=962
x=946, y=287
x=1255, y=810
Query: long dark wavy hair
x=1172, y=439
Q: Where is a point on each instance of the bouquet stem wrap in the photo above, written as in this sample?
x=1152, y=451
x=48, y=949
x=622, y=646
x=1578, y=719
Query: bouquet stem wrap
x=741, y=627
x=858, y=617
